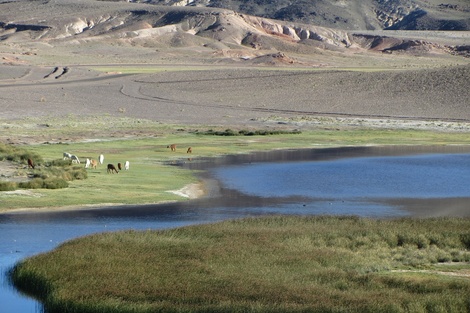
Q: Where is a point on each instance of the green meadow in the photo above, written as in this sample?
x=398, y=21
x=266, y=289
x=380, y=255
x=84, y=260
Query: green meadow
x=152, y=178
x=269, y=264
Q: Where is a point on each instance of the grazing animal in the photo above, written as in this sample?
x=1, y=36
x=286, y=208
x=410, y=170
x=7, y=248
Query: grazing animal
x=30, y=164
x=75, y=159
x=190, y=150
x=120, y=166
x=112, y=169
x=172, y=147
x=101, y=158
x=126, y=165
x=88, y=162
x=67, y=155
x=93, y=164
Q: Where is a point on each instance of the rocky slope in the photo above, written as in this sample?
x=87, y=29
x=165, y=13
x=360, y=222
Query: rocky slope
x=224, y=32
x=350, y=14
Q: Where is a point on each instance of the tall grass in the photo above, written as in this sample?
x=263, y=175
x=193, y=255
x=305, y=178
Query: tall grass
x=270, y=264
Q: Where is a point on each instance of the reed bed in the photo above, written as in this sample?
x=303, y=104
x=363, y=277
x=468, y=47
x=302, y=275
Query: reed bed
x=268, y=264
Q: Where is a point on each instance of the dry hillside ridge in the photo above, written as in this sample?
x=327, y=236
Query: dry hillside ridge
x=135, y=24
x=350, y=14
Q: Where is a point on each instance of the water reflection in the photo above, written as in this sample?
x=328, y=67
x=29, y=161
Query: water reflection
x=424, y=176
x=305, y=182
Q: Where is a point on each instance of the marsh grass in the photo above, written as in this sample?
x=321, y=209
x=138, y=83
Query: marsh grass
x=270, y=264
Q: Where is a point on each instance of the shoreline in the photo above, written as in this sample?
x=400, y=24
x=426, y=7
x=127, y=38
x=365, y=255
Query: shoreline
x=208, y=190
x=190, y=191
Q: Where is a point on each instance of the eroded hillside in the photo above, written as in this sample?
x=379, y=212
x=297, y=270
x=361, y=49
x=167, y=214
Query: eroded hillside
x=350, y=14
x=208, y=32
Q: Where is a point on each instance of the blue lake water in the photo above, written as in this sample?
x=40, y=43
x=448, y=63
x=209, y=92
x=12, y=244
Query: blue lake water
x=362, y=183
x=422, y=176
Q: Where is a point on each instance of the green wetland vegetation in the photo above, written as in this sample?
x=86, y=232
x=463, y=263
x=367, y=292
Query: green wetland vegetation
x=268, y=264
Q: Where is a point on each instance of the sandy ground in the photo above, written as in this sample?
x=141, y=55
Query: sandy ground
x=241, y=97
x=58, y=66
x=191, y=191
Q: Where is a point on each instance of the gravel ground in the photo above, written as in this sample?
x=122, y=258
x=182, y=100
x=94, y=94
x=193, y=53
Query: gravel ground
x=237, y=96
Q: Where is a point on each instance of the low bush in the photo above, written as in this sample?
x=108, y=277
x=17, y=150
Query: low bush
x=35, y=183
x=244, y=132
x=77, y=173
x=59, y=163
x=51, y=175
x=8, y=186
x=465, y=239
x=19, y=155
x=55, y=183
x=47, y=183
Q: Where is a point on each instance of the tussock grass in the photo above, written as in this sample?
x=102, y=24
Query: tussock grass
x=269, y=264
x=18, y=154
x=8, y=186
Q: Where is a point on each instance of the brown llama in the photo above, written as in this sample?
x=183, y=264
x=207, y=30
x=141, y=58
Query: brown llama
x=112, y=169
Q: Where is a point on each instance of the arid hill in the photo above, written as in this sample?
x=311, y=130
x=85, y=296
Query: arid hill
x=208, y=31
x=351, y=14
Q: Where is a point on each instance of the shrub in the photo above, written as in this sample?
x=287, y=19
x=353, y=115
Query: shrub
x=8, y=186
x=59, y=162
x=35, y=183
x=74, y=173
x=48, y=183
x=422, y=242
x=55, y=183
x=19, y=155
x=244, y=132
x=465, y=239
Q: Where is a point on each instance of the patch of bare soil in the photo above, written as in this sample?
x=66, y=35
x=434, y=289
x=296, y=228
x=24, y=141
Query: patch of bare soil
x=10, y=171
x=178, y=95
x=191, y=191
